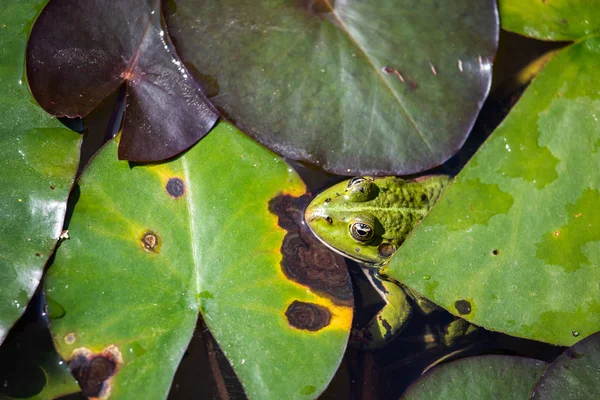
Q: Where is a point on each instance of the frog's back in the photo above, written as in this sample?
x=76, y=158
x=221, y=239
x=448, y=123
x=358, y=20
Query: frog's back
x=401, y=204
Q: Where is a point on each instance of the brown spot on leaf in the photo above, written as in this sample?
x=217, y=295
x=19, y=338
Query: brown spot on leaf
x=495, y=252
x=93, y=372
x=70, y=338
x=389, y=70
x=463, y=307
x=307, y=316
x=305, y=259
x=150, y=242
x=175, y=187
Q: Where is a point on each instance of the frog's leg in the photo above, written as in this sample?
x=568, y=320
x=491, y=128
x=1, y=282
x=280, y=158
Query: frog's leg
x=451, y=334
x=456, y=331
x=390, y=320
x=425, y=305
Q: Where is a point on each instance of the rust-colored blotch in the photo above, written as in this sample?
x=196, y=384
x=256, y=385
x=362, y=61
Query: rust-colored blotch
x=150, y=242
x=307, y=316
x=93, y=372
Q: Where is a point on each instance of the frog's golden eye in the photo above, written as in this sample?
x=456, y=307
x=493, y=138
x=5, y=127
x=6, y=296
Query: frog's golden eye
x=355, y=181
x=361, y=232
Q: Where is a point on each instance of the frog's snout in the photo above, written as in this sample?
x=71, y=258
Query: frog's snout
x=312, y=213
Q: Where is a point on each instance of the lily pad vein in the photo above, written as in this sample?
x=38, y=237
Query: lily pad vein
x=381, y=77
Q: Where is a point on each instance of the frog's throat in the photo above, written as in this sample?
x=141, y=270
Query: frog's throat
x=338, y=251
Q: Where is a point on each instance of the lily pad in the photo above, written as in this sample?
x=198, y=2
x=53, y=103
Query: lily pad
x=550, y=20
x=513, y=244
x=39, y=158
x=481, y=377
x=575, y=374
x=209, y=231
x=81, y=51
x=387, y=87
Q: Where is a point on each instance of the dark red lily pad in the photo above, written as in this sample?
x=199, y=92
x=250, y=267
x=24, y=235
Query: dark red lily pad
x=80, y=51
x=377, y=87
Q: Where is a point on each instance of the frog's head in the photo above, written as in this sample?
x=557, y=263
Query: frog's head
x=342, y=219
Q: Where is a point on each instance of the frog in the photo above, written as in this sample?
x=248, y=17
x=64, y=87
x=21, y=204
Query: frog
x=366, y=219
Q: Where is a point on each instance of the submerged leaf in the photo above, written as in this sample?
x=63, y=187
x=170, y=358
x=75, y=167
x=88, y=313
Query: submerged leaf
x=358, y=87
x=480, y=377
x=517, y=236
x=214, y=230
x=80, y=51
x=39, y=159
x=575, y=374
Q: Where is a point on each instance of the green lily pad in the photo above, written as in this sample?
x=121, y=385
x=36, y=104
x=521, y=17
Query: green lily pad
x=387, y=87
x=575, y=374
x=152, y=245
x=550, y=20
x=39, y=157
x=513, y=244
x=481, y=377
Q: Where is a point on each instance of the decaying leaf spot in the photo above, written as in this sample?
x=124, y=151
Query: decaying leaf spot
x=175, y=187
x=495, y=252
x=307, y=316
x=305, y=260
x=463, y=307
x=93, y=372
x=70, y=338
x=150, y=242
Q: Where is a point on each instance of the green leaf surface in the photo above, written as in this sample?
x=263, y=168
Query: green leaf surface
x=387, y=87
x=152, y=245
x=513, y=244
x=550, y=19
x=39, y=159
x=574, y=375
x=482, y=377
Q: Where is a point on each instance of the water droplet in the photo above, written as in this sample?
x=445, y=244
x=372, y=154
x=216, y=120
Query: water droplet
x=55, y=310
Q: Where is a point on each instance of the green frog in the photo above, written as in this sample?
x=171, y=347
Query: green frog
x=366, y=219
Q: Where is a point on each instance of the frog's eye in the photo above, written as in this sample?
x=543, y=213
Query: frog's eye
x=355, y=181
x=361, y=189
x=361, y=232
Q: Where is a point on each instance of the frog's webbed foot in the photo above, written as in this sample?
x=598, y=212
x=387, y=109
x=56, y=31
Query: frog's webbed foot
x=390, y=320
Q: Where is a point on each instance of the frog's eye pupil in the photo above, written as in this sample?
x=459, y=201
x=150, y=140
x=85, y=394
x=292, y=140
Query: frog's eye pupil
x=361, y=232
x=355, y=181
